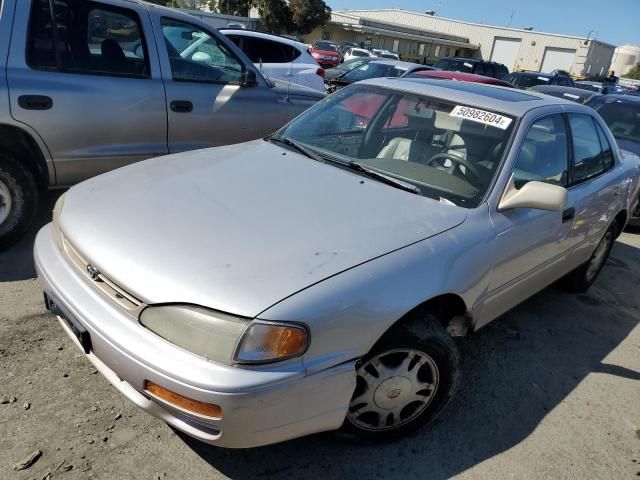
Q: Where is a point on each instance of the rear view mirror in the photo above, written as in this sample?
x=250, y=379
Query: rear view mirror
x=537, y=195
x=249, y=78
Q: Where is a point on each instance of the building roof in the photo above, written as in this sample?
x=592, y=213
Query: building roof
x=500, y=99
x=358, y=13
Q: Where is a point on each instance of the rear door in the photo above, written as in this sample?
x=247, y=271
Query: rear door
x=208, y=103
x=97, y=100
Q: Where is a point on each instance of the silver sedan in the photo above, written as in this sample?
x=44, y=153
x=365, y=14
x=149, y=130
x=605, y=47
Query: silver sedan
x=314, y=280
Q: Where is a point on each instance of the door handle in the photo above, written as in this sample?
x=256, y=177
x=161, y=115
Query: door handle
x=35, y=102
x=181, y=106
x=568, y=214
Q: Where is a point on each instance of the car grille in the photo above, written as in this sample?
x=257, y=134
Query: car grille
x=116, y=294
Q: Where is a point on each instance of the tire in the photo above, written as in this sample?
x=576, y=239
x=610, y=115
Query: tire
x=398, y=402
x=580, y=279
x=18, y=200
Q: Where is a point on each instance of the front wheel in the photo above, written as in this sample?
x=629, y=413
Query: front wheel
x=580, y=279
x=405, y=381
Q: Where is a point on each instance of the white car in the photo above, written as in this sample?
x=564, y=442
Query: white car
x=278, y=57
x=356, y=53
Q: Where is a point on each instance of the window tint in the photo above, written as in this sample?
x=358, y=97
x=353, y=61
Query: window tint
x=91, y=38
x=266, y=51
x=501, y=71
x=489, y=70
x=588, y=160
x=623, y=119
x=198, y=57
x=479, y=69
x=607, y=154
x=544, y=153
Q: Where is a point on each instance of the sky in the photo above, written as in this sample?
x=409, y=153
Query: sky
x=615, y=21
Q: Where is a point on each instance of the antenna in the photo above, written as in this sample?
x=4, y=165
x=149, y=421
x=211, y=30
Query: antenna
x=513, y=12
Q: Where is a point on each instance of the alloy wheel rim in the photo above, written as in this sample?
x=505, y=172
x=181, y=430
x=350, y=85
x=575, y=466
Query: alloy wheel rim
x=599, y=257
x=5, y=202
x=392, y=389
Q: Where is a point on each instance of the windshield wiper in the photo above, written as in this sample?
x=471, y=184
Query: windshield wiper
x=394, y=182
x=300, y=148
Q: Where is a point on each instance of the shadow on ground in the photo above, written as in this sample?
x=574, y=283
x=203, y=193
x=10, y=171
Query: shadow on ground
x=16, y=263
x=516, y=370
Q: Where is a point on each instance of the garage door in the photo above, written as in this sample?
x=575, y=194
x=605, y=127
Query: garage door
x=505, y=51
x=557, y=58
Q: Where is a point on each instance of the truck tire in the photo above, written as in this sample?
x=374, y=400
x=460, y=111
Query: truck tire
x=18, y=200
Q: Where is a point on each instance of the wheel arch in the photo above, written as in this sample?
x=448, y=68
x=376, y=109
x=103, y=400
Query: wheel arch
x=21, y=145
x=621, y=220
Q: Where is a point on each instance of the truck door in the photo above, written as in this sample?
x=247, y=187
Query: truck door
x=209, y=102
x=85, y=77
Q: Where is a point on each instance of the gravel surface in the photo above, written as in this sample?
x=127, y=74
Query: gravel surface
x=550, y=390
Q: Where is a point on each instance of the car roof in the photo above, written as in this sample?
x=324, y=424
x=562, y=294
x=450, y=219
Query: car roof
x=535, y=74
x=469, y=77
x=360, y=49
x=267, y=36
x=502, y=99
x=474, y=60
x=619, y=98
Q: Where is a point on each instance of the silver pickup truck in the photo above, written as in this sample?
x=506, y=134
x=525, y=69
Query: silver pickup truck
x=89, y=86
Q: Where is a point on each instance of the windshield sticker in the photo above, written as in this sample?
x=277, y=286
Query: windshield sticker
x=480, y=116
x=544, y=79
x=468, y=65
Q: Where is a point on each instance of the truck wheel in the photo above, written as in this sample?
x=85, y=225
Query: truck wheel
x=580, y=279
x=405, y=381
x=18, y=200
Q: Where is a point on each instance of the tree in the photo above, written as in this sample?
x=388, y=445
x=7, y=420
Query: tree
x=275, y=15
x=239, y=8
x=634, y=73
x=309, y=14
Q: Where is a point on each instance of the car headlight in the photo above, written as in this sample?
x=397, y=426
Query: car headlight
x=57, y=210
x=224, y=338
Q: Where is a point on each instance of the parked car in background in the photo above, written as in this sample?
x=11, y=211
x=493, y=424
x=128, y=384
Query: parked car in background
x=279, y=57
x=325, y=53
x=343, y=47
x=524, y=80
x=605, y=88
x=471, y=65
x=356, y=53
x=568, y=93
x=333, y=73
x=621, y=113
x=374, y=69
x=460, y=76
x=431, y=228
x=148, y=81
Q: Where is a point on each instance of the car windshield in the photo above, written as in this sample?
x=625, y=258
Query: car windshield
x=351, y=64
x=374, y=70
x=623, y=119
x=359, y=53
x=449, y=151
x=526, y=81
x=326, y=46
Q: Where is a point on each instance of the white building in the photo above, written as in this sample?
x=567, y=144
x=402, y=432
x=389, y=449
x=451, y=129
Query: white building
x=625, y=58
x=425, y=38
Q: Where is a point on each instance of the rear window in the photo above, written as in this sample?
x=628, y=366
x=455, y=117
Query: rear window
x=526, y=81
x=460, y=66
x=623, y=119
x=265, y=51
x=326, y=46
x=374, y=70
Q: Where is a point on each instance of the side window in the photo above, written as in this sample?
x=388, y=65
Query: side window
x=480, y=68
x=544, y=154
x=607, y=153
x=489, y=70
x=196, y=56
x=266, y=51
x=91, y=38
x=588, y=158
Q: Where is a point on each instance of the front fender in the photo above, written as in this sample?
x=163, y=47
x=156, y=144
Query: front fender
x=347, y=313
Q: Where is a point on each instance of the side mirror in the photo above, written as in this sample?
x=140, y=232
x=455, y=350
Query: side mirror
x=249, y=78
x=537, y=195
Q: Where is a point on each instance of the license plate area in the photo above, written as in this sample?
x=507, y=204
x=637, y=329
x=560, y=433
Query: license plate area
x=81, y=333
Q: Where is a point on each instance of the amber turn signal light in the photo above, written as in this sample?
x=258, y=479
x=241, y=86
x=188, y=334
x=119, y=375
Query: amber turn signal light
x=182, y=402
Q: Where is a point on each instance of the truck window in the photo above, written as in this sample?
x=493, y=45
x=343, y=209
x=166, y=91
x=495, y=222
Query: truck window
x=92, y=38
x=196, y=56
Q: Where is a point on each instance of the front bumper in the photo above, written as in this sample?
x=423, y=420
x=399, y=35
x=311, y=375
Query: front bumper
x=260, y=405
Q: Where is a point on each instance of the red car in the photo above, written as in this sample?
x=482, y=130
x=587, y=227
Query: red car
x=325, y=53
x=460, y=76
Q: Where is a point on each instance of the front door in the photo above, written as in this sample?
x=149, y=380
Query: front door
x=96, y=100
x=531, y=245
x=207, y=103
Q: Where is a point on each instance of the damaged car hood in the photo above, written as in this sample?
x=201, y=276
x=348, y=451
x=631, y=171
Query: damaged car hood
x=238, y=228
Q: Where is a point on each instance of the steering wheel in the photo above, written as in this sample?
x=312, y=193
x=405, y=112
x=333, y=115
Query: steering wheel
x=457, y=161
